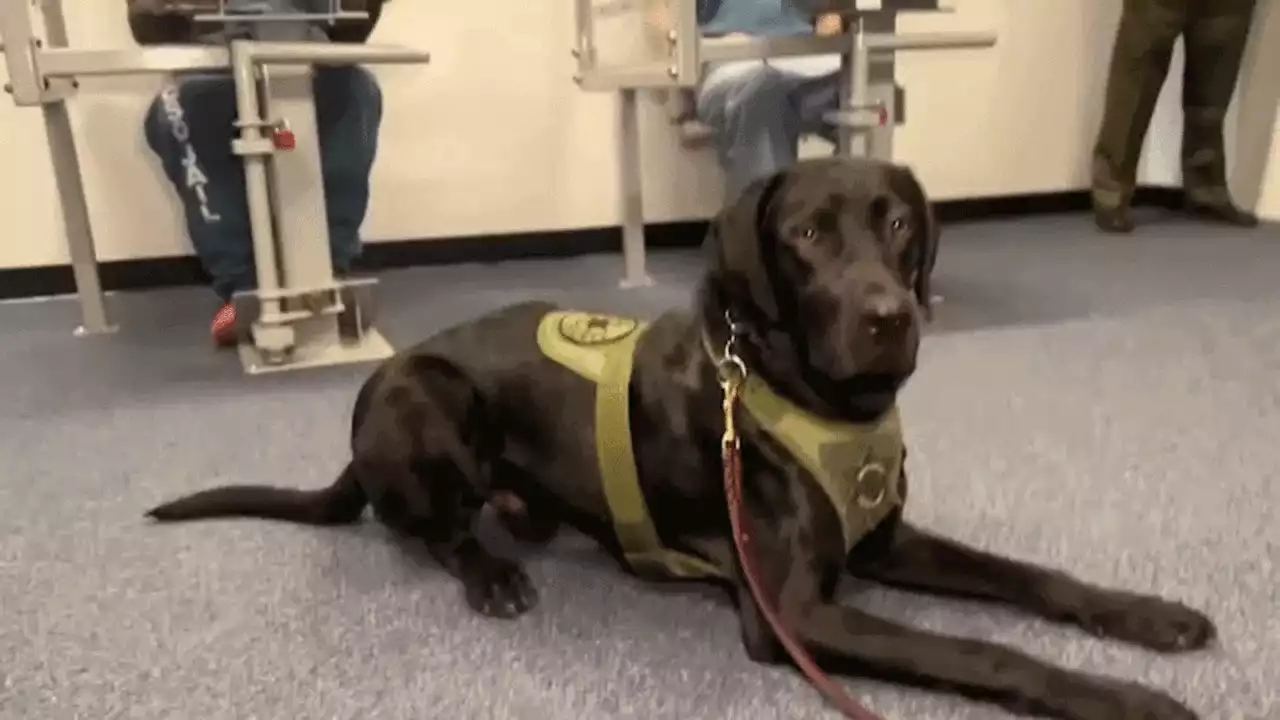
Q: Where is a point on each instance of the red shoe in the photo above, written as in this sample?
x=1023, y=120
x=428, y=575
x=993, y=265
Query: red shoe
x=223, y=328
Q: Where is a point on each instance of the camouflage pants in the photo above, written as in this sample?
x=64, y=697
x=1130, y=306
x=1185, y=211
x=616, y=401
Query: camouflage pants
x=1214, y=33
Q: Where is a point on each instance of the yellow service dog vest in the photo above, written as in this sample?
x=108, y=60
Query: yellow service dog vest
x=858, y=465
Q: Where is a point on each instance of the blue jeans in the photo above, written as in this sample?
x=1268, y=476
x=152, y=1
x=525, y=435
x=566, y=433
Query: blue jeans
x=759, y=109
x=190, y=126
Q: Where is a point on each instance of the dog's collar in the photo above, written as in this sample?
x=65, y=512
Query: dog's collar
x=727, y=356
x=857, y=464
x=727, y=360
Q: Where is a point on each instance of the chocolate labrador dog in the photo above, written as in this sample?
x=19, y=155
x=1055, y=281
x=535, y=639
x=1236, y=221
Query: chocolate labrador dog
x=817, y=282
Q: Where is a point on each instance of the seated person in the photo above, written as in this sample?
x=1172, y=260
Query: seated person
x=190, y=126
x=760, y=108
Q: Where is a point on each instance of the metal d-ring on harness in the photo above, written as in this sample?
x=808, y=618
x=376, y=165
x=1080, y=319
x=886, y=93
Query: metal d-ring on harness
x=732, y=374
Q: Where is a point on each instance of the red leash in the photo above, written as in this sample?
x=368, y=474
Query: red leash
x=732, y=374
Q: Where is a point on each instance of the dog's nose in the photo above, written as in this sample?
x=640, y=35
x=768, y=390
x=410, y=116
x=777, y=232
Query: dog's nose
x=887, y=317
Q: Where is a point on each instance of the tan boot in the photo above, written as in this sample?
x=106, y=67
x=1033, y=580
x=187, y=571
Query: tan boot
x=1222, y=211
x=1114, y=220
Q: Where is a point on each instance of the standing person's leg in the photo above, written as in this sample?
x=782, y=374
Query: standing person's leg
x=348, y=116
x=1217, y=31
x=757, y=127
x=1139, y=64
x=190, y=127
x=815, y=93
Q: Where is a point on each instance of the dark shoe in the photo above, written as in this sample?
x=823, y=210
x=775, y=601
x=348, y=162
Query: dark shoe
x=1113, y=220
x=1223, y=212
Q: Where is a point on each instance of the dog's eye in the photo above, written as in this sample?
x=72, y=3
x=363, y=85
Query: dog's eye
x=899, y=225
x=807, y=234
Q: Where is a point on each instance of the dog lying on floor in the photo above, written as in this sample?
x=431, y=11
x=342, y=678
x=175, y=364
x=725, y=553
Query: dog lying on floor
x=818, y=280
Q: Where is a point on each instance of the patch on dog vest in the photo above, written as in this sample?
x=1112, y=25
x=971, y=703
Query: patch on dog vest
x=857, y=465
x=587, y=343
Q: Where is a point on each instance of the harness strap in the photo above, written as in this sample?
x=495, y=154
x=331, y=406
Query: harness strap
x=632, y=524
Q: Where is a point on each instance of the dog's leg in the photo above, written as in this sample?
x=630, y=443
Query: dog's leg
x=849, y=641
x=918, y=560
x=524, y=509
x=429, y=486
x=441, y=509
x=525, y=521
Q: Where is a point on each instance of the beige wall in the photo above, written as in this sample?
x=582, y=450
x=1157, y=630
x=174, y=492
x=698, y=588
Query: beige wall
x=494, y=137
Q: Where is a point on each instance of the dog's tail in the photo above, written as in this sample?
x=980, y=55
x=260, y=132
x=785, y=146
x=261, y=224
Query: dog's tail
x=339, y=504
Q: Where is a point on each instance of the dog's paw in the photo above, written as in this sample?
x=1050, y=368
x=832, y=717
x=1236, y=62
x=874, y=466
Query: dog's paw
x=1130, y=701
x=1153, y=623
x=499, y=588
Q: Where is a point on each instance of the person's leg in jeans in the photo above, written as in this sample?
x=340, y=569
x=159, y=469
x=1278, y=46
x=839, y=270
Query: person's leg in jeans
x=756, y=128
x=759, y=111
x=814, y=98
x=190, y=126
x=195, y=150
x=348, y=116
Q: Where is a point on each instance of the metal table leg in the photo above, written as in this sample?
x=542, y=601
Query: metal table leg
x=634, y=273
x=851, y=135
x=75, y=208
x=75, y=219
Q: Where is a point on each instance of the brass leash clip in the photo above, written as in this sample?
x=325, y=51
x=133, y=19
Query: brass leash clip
x=732, y=373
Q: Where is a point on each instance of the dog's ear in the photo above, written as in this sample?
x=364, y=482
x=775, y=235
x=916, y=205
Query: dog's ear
x=924, y=252
x=741, y=241
x=927, y=258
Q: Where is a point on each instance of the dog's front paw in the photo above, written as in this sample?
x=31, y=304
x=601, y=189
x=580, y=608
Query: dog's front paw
x=1130, y=701
x=499, y=588
x=1153, y=623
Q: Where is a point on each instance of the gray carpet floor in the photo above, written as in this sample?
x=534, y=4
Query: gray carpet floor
x=1110, y=406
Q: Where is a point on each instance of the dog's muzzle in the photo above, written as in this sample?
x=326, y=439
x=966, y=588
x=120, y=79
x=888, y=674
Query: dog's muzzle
x=886, y=320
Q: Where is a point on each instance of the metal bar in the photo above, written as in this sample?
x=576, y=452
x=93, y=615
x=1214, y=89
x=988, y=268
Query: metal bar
x=296, y=180
x=849, y=7
x=650, y=76
x=297, y=201
x=249, y=114
x=584, y=48
x=657, y=74
x=333, y=53
x=71, y=195
x=18, y=31
x=686, y=44
x=930, y=41
x=844, y=131
x=63, y=62
x=759, y=48
x=75, y=220
x=859, y=79
x=279, y=17
x=631, y=183
x=851, y=140
x=880, y=139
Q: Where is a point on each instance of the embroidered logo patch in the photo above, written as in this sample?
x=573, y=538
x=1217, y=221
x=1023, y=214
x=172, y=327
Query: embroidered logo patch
x=590, y=330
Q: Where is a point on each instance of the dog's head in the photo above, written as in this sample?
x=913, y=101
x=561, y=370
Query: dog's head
x=825, y=267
